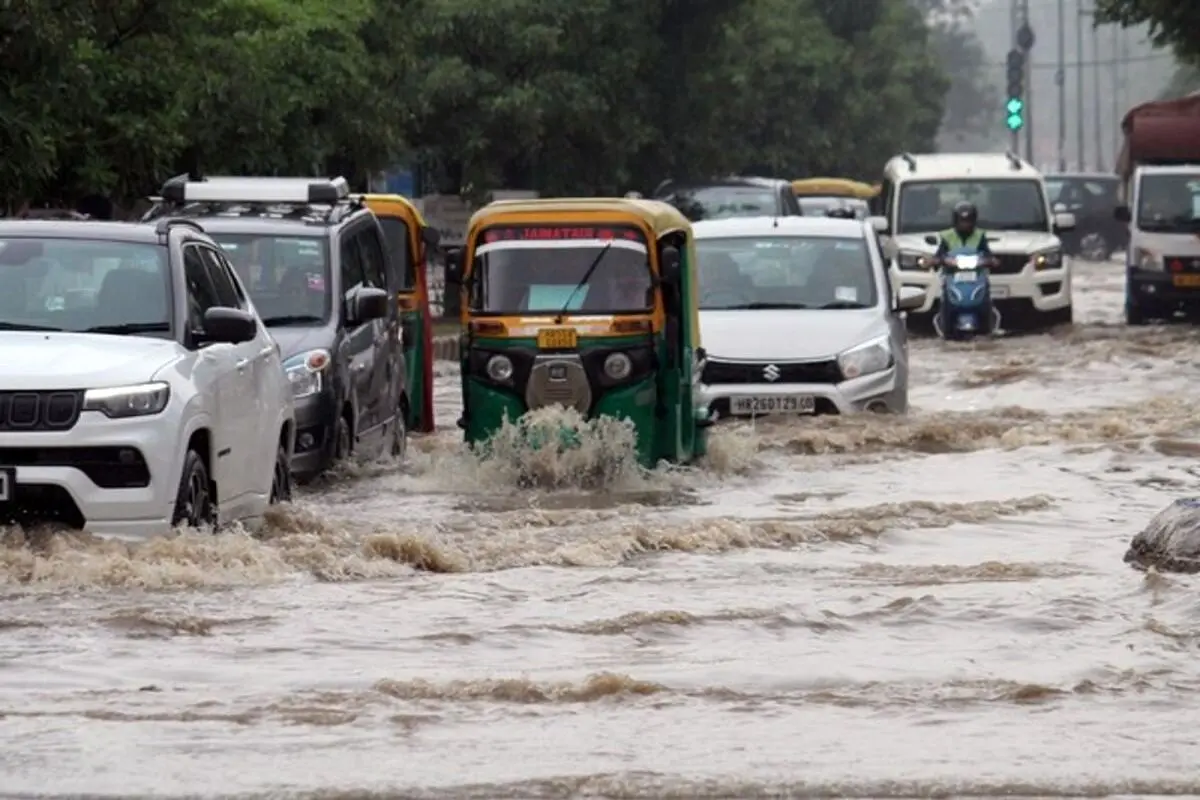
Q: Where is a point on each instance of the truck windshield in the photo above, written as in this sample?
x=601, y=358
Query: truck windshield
x=1169, y=203
x=544, y=270
x=85, y=285
x=287, y=277
x=1004, y=204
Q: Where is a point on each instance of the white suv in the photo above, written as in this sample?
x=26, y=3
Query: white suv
x=138, y=390
x=1031, y=283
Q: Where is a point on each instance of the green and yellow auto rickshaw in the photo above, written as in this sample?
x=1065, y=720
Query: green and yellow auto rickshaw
x=589, y=304
x=410, y=242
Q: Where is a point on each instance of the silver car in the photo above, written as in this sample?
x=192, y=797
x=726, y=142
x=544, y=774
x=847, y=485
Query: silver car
x=798, y=315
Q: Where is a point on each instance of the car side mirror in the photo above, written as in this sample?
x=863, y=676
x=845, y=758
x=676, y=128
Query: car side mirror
x=454, y=266
x=911, y=298
x=669, y=265
x=932, y=240
x=229, y=325
x=1064, y=222
x=368, y=304
x=880, y=224
x=1122, y=214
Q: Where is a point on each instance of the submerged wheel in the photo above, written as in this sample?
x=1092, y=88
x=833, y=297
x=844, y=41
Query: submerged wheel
x=342, y=444
x=399, y=446
x=194, y=503
x=281, y=477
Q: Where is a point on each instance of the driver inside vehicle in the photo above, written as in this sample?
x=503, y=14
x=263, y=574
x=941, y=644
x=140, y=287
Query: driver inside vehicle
x=722, y=278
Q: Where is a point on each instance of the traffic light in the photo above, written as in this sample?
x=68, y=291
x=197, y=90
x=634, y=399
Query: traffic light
x=1015, y=105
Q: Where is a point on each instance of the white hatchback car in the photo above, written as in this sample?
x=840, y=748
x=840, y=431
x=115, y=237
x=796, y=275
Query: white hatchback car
x=138, y=390
x=798, y=316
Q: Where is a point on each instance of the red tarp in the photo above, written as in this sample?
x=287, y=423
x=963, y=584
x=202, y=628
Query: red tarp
x=1164, y=130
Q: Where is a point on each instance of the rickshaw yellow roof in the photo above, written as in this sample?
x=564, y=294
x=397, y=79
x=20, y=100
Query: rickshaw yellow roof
x=837, y=187
x=662, y=217
x=398, y=199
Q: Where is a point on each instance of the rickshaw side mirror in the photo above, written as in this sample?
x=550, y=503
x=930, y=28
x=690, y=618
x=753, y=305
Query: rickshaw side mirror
x=932, y=240
x=454, y=266
x=430, y=236
x=669, y=262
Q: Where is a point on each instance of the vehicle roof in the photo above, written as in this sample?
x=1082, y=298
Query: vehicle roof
x=1167, y=169
x=264, y=226
x=396, y=199
x=935, y=166
x=658, y=215
x=833, y=187
x=1088, y=176
x=778, y=226
x=133, y=232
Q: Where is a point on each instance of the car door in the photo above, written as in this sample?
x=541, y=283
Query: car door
x=228, y=449
x=356, y=345
x=257, y=403
x=897, y=326
x=388, y=361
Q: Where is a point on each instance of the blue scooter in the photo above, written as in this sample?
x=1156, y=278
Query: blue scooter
x=966, y=308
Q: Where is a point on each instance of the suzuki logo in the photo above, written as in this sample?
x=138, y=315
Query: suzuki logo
x=771, y=372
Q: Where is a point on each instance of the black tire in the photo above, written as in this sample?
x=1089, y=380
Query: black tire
x=281, y=478
x=1135, y=316
x=399, y=445
x=343, y=445
x=194, y=504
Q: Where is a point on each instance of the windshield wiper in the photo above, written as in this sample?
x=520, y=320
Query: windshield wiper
x=17, y=326
x=766, y=306
x=129, y=328
x=842, y=304
x=562, y=312
x=291, y=319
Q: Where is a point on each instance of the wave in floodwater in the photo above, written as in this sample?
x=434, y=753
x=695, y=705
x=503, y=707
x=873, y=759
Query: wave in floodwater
x=299, y=543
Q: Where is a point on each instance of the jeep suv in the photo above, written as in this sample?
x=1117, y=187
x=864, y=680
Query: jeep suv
x=1092, y=198
x=316, y=264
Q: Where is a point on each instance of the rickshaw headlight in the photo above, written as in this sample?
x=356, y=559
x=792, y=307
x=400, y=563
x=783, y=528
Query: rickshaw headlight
x=618, y=366
x=500, y=369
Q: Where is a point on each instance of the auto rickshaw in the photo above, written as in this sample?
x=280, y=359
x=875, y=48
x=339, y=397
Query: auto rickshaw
x=589, y=304
x=411, y=241
x=826, y=195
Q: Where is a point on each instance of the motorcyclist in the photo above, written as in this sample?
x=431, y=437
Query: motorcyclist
x=964, y=235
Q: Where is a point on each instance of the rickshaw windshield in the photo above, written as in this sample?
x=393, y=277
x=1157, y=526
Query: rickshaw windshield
x=545, y=270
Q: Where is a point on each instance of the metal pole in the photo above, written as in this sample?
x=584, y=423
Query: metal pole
x=1118, y=83
x=1014, y=21
x=1081, y=155
x=1028, y=92
x=1060, y=78
x=1097, y=101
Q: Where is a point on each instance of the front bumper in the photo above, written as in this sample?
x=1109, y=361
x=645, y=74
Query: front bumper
x=59, y=475
x=316, y=420
x=879, y=391
x=1156, y=289
x=1045, y=290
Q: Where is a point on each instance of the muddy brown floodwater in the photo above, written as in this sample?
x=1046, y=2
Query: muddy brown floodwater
x=833, y=607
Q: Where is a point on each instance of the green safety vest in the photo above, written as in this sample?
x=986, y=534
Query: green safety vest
x=956, y=242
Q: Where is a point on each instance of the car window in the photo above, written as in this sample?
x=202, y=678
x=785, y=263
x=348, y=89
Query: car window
x=395, y=231
x=877, y=246
x=352, y=264
x=372, y=258
x=80, y=284
x=226, y=290
x=287, y=276
x=201, y=294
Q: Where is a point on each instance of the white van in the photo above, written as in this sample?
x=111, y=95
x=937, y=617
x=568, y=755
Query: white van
x=1032, y=281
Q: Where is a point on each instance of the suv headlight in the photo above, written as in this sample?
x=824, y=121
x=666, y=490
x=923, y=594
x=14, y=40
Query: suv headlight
x=1147, y=259
x=865, y=359
x=911, y=260
x=1048, y=259
x=117, y=402
x=305, y=372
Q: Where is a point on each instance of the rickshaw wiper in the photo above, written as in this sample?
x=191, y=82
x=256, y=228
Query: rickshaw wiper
x=562, y=312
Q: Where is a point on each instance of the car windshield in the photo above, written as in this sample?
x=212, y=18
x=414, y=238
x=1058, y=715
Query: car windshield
x=545, y=270
x=721, y=202
x=85, y=285
x=803, y=272
x=1004, y=204
x=1169, y=203
x=816, y=206
x=287, y=276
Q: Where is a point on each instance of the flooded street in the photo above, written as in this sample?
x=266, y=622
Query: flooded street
x=851, y=607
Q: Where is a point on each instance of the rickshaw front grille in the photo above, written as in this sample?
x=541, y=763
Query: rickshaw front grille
x=559, y=380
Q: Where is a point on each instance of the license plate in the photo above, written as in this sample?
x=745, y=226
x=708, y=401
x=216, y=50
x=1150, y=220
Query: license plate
x=8, y=483
x=998, y=291
x=964, y=277
x=557, y=339
x=1189, y=281
x=777, y=404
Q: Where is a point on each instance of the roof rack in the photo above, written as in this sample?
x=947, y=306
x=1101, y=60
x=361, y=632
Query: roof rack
x=226, y=189
x=908, y=159
x=1013, y=159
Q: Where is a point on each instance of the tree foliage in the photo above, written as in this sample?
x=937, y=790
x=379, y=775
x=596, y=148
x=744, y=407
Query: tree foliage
x=591, y=96
x=1172, y=24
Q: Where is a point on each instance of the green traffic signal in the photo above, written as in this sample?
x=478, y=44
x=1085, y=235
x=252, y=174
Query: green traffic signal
x=1015, y=122
x=1016, y=117
x=1015, y=105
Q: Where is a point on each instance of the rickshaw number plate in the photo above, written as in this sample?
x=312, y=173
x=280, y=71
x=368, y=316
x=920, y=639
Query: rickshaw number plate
x=557, y=339
x=773, y=404
x=1190, y=281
